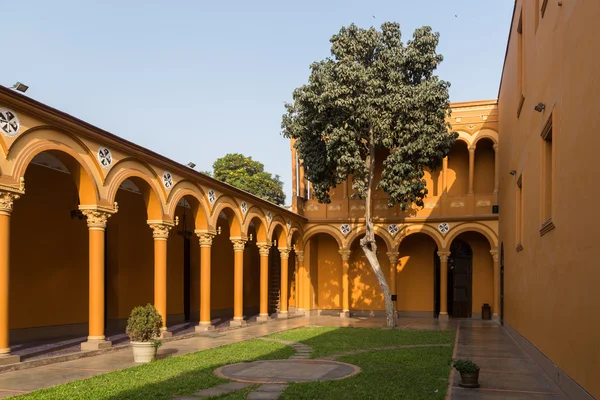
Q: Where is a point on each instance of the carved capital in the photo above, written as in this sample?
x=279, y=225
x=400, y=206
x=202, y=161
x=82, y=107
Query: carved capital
x=494, y=254
x=443, y=255
x=496, y=146
x=345, y=253
x=263, y=249
x=206, y=238
x=471, y=149
x=96, y=219
x=284, y=252
x=238, y=245
x=300, y=256
x=6, y=201
x=160, y=230
x=393, y=256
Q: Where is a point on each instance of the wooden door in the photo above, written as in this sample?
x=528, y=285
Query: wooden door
x=186, y=278
x=462, y=289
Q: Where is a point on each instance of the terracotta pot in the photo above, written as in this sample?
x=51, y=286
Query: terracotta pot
x=469, y=379
x=143, y=352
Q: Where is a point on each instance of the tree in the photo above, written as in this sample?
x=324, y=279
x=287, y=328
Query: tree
x=374, y=92
x=249, y=175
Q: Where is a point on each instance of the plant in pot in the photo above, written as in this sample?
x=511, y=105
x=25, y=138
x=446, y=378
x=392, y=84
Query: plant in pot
x=143, y=328
x=469, y=373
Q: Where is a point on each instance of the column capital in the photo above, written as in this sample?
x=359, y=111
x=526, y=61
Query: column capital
x=160, y=229
x=494, y=254
x=393, y=256
x=96, y=219
x=206, y=238
x=472, y=149
x=496, y=147
x=238, y=245
x=7, y=199
x=300, y=255
x=263, y=249
x=284, y=252
x=443, y=255
x=345, y=253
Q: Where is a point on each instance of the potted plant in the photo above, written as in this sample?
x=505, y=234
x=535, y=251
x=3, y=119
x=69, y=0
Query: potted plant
x=143, y=328
x=469, y=373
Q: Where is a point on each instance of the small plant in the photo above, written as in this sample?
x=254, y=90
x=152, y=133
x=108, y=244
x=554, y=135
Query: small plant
x=144, y=324
x=465, y=366
x=156, y=343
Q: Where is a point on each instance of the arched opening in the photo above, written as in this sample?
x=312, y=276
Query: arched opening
x=252, y=270
x=222, y=265
x=364, y=290
x=458, y=169
x=325, y=271
x=416, y=283
x=276, y=274
x=49, y=250
x=484, y=172
x=296, y=271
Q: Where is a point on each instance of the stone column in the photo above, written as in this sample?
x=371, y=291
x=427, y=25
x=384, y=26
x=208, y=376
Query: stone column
x=238, y=282
x=443, y=284
x=496, y=169
x=496, y=302
x=206, y=239
x=6, y=206
x=96, y=221
x=264, y=249
x=283, y=300
x=160, y=231
x=300, y=282
x=294, y=168
x=393, y=256
x=345, y=253
x=302, y=179
x=471, y=168
x=445, y=175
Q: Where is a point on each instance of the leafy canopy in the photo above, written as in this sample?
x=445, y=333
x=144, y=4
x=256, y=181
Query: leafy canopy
x=374, y=91
x=249, y=175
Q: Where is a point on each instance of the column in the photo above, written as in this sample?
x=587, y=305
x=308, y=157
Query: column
x=160, y=231
x=206, y=239
x=393, y=256
x=345, y=253
x=300, y=282
x=443, y=284
x=496, y=169
x=496, y=302
x=445, y=175
x=96, y=221
x=302, y=179
x=471, y=168
x=294, y=169
x=6, y=206
x=238, y=282
x=264, y=250
x=283, y=300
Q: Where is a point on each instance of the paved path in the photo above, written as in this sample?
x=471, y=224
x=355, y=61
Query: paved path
x=506, y=371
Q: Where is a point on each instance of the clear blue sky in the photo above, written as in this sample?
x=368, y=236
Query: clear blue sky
x=195, y=80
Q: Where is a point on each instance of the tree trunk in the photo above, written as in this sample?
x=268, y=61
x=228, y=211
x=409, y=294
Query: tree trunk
x=368, y=242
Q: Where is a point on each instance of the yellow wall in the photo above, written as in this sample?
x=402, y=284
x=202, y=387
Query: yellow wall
x=365, y=293
x=415, y=277
x=551, y=286
x=329, y=272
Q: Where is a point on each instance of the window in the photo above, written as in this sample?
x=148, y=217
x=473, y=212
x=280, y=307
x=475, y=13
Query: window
x=519, y=213
x=547, y=163
x=520, y=65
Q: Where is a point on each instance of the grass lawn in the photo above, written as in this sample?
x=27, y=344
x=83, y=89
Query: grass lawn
x=415, y=373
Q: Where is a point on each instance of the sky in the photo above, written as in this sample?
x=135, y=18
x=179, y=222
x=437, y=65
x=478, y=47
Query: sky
x=195, y=80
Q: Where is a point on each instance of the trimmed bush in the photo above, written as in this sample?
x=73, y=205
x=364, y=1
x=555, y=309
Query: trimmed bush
x=144, y=324
x=465, y=366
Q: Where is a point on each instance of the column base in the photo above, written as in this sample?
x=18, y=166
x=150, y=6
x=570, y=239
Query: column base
x=443, y=317
x=345, y=314
x=282, y=315
x=262, y=318
x=95, y=345
x=237, y=322
x=166, y=334
x=300, y=311
x=9, y=359
x=495, y=317
x=204, y=327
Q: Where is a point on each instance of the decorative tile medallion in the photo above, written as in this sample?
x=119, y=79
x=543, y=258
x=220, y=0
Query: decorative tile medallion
x=393, y=229
x=345, y=229
x=9, y=122
x=212, y=196
x=105, y=157
x=244, y=207
x=443, y=227
x=269, y=216
x=289, y=223
x=167, y=180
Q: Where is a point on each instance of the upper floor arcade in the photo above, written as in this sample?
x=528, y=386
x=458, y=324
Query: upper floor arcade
x=466, y=185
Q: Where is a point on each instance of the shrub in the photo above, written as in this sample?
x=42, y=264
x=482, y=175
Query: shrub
x=144, y=324
x=465, y=366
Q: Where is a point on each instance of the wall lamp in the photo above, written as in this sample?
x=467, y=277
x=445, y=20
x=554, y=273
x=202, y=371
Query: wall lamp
x=540, y=107
x=20, y=87
x=513, y=172
x=191, y=164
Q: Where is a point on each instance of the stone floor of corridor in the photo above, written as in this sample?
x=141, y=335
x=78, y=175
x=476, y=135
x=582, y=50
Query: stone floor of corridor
x=506, y=371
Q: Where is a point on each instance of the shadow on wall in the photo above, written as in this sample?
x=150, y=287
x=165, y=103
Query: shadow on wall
x=365, y=292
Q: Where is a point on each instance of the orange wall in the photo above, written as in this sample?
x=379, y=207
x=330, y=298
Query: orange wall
x=329, y=272
x=415, y=279
x=551, y=286
x=484, y=176
x=365, y=293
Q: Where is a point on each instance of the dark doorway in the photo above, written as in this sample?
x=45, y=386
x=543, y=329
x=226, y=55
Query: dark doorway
x=460, y=273
x=436, y=284
x=274, y=280
x=186, y=278
x=502, y=283
x=105, y=279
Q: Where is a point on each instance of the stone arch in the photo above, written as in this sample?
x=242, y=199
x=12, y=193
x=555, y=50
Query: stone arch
x=420, y=228
x=69, y=150
x=187, y=188
x=327, y=229
x=295, y=232
x=379, y=231
x=486, y=231
x=464, y=137
x=279, y=230
x=256, y=216
x=231, y=209
x=485, y=133
x=140, y=172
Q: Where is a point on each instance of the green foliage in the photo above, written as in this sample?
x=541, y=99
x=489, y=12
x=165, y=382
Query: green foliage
x=374, y=92
x=465, y=366
x=144, y=324
x=249, y=175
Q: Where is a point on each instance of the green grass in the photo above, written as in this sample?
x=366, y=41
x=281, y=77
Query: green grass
x=334, y=340
x=164, y=379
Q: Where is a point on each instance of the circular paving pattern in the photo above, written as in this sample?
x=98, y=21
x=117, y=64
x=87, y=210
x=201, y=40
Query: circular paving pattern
x=284, y=371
